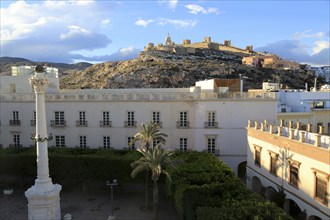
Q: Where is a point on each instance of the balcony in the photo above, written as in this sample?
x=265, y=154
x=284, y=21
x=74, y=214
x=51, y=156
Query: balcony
x=33, y=122
x=58, y=124
x=105, y=123
x=81, y=123
x=183, y=124
x=129, y=124
x=210, y=124
x=214, y=152
x=160, y=124
x=15, y=122
x=15, y=145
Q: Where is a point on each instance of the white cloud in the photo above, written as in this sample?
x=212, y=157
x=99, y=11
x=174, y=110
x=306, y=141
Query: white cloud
x=74, y=30
x=106, y=21
x=296, y=50
x=126, y=50
x=166, y=21
x=143, y=23
x=319, y=46
x=176, y=22
x=308, y=34
x=169, y=3
x=195, y=9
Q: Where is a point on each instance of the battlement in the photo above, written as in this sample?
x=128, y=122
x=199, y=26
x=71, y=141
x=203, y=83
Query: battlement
x=189, y=48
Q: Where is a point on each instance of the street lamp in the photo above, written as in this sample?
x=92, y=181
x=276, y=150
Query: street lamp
x=114, y=183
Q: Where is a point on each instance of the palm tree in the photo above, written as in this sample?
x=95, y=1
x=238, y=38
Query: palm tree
x=155, y=160
x=147, y=134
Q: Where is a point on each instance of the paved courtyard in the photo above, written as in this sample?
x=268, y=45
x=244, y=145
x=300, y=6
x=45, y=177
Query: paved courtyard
x=94, y=204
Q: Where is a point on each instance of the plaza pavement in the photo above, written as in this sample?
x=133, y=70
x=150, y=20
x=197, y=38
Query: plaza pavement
x=94, y=204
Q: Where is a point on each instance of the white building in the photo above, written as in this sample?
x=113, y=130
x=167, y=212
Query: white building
x=199, y=118
x=297, y=160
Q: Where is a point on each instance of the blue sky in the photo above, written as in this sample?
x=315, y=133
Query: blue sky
x=99, y=31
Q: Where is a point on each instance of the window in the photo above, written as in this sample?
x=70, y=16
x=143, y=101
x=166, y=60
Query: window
x=82, y=140
x=257, y=155
x=17, y=140
x=82, y=119
x=12, y=88
x=155, y=143
x=34, y=119
x=105, y=119
x=183, y=120
x=211, y=145
x=183, y=144
x=321, y=186
x=106, y=142
x=156, y=117
x=294, y=173
x=130, y=145
x=130, y=119
x=211, y=123
x=59, y=119
x=15, y=119
x=273, y=163
x=319, y=104
x=60, y=141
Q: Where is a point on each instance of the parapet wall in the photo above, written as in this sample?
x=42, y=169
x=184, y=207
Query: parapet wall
x=294, y=131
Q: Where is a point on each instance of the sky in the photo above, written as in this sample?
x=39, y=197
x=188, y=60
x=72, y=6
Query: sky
x=103, y=30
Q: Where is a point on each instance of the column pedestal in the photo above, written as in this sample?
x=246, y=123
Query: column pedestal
x=44, y=205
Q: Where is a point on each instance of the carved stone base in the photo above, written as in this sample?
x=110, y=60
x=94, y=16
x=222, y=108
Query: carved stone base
x=44, y=205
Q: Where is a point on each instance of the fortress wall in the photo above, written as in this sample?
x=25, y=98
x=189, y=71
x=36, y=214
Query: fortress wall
x=233, y=49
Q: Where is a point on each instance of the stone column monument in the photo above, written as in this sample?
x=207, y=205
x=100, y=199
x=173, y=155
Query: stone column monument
x=44, y=196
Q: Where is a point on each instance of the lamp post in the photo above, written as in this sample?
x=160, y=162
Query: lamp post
x=114, y=183
x=43, y=197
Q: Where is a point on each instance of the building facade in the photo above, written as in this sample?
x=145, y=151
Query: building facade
x=201, y=118
x=294, y=160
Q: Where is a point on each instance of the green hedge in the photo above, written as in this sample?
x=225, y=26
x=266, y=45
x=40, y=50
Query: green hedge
x=70, y=166
x=204, y=187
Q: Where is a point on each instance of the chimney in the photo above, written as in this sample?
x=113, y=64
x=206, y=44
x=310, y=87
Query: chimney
x=309, y=127
x=271, y=129
x=279, y=131
x=321, y=128
x=290, y=124
x=256, y=125
x=298, y=125
x=281, y=122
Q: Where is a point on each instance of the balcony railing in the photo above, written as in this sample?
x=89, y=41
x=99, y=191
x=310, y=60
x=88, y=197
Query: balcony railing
x=33, y=122
x=15, y=122
x=183, y=124
x=160, y=124
x=15, y=145
x=105, y=123
x=210, y=124
x=129, y=123
x=81, y=123
x=214, y=152
x=58, y=124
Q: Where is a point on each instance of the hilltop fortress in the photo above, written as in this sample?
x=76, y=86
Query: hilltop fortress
x=190, y=48
x=250, y=57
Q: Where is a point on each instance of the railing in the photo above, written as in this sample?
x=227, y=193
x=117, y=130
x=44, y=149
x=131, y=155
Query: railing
x=105, y=123
x=58, y=124
x=210, y=124
x=183, y=124
x=160, y=124
x=129, y=123
x=15, y=122
x=136, y=95
x=81, y=123
x=15, y=145
x=33, y=122
x=214, y=152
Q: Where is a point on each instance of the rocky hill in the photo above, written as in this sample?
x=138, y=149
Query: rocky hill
x=64, y=69
x=155, y=69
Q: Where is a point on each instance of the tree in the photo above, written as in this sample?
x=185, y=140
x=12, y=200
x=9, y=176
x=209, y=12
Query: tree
x=147, y=134
x=155, y=160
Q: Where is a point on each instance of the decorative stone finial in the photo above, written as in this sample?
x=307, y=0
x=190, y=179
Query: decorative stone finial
x=39, y=68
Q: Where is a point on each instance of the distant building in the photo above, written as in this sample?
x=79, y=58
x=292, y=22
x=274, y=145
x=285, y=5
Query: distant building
x=270, y=61
x=292, y=158
x=189, y=48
